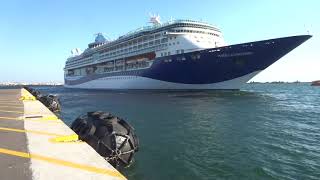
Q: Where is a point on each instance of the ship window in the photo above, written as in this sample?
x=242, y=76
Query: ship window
x=168, y=53
x=173, y=43
x=182, y=50
x=169, y=44
x=178, y=42
x=164, y=40
x=161, y=54
x=178, y=51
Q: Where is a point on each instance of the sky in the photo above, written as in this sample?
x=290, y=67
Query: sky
x=36, y=36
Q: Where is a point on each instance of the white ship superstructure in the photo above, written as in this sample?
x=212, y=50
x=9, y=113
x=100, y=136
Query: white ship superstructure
x=174, y=37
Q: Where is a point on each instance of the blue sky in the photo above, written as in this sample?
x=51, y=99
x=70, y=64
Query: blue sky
x=36, y=36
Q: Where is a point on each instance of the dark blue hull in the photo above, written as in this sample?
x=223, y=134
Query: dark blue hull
x=211, y=65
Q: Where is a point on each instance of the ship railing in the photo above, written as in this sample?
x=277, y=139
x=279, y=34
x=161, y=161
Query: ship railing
x=124, y=55
x=106, y=59
x=149, y=28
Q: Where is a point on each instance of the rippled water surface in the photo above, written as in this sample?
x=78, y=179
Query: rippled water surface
x=264, y=131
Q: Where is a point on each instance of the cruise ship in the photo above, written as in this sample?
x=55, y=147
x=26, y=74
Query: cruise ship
x=178, y=54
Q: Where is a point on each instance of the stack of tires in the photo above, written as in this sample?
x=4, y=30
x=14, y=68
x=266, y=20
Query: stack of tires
x=34, y=92
x=50, y=101
x=112, y=137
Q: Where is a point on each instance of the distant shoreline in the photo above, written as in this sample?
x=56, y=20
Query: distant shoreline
x=276, y=82
x=34, y=85
x=61, y=84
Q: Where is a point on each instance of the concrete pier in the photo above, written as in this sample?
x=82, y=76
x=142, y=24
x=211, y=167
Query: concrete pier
x=36, y=144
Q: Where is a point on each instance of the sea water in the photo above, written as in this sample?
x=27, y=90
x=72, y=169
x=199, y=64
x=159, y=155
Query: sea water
x=263, y=131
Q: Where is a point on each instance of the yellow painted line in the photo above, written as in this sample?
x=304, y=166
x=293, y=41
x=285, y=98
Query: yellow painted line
x=73, y=138
x=11, y=107
x=60, y=138
x=52, y=118
x=40, y=117
x=30, y=131
x=47, y=121
x=46, y=118
x=66, y=142
x=26, y=95
x=10, y=118
x=63, y=163
x=11, y=111
x=10, y=104
x=31, y=119
x=10, y=100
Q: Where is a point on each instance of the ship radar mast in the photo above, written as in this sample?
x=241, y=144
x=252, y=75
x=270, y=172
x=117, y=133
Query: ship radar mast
x=154, y=19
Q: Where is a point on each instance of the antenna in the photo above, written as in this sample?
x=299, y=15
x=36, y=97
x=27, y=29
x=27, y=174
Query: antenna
x=97, y=34
x=154, y=19
x=171, y=18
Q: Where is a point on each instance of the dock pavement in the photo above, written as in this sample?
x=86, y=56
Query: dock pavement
x=36, y=145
